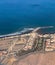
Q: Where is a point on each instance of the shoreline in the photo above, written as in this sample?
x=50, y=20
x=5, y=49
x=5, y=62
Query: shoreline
x=17, y=33
x=25, y=30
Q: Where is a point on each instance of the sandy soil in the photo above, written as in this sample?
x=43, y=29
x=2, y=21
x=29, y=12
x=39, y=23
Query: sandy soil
x=38, y=59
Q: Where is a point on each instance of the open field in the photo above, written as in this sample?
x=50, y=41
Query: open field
x=38, y=59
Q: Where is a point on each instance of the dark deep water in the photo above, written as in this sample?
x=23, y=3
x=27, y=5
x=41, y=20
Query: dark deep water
x=19, y=14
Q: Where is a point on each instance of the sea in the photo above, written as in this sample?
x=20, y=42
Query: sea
x=15, y=15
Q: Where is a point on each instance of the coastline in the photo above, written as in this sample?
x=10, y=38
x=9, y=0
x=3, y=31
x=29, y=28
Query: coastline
x=25, y=30
x=17, y=33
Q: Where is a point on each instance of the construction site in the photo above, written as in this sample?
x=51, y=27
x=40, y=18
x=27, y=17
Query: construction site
x=15, y=47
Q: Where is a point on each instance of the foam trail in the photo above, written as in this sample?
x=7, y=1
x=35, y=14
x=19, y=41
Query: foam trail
x=17, y=33
x=26, y=29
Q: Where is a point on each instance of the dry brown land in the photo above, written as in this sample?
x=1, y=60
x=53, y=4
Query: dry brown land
x=36, y=58
x=47, y=58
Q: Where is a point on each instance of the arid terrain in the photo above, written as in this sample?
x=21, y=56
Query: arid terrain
x=38, y=59
x=28, y=49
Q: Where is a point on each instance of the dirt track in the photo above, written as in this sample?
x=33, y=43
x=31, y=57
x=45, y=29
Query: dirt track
x=38, y=59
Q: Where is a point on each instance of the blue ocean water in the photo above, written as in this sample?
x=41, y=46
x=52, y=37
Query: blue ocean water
x=18, y=14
